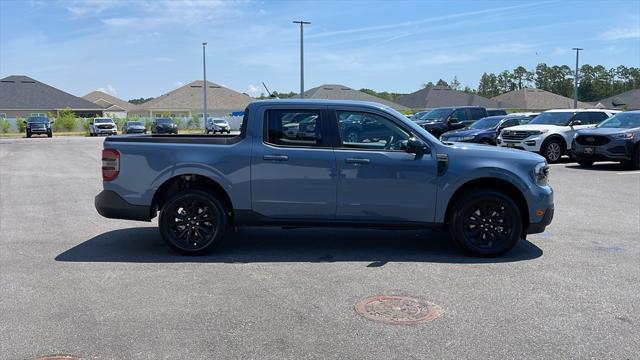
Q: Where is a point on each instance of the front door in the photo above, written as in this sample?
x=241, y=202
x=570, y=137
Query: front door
x=293, y=166
x=378, y=180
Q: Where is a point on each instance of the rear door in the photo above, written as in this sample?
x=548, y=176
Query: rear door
x=378, y=180
x=293, y=165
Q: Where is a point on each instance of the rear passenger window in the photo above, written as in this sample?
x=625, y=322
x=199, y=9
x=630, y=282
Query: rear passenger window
x=293, y=127
x=478, y=113
x=597, y=117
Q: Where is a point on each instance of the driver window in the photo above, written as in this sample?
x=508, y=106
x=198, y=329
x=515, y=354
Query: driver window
x=362, y=130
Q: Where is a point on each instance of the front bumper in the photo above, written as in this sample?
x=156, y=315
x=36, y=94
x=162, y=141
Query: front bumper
x=105, y=131
x=615, y=150
x=136, y=131
x=536, y=228
x=111, y=205
x=39, y=131
x=531, y=143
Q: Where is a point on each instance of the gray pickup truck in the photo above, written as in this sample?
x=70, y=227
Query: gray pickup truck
x=393, y=174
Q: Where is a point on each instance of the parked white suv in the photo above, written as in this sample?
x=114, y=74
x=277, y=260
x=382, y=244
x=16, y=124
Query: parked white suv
x=550, y=133
x=99, y=126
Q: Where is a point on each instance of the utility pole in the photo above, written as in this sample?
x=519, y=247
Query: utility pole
x=575, y=80
x=302, y=24
x=204, y=85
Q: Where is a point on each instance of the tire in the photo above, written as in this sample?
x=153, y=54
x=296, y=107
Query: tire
x=28, y=134
x=552, y=150
x=485, y=207
x=178, y=233
x=49, y=134
x=486, y=142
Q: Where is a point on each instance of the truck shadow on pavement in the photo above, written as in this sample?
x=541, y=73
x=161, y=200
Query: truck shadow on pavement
x=249, y=245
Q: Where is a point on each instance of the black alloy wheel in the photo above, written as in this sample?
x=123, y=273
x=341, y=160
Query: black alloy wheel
x=192, y=222
x=486, y=223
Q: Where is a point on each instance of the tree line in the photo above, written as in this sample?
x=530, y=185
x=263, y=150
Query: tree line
x=594, y=82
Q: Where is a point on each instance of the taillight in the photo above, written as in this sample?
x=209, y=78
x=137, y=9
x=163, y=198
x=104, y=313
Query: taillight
x=110, y=164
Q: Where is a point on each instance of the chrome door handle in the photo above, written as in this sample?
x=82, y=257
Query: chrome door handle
x=357, y=161
x=276, y=157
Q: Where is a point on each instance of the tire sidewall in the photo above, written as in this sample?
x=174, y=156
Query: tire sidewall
x=466, y=201
x=221, y=218
x=546, y=144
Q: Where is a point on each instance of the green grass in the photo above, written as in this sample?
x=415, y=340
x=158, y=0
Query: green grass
x=80, y=133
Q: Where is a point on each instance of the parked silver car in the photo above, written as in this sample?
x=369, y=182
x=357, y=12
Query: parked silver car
x=217, y=125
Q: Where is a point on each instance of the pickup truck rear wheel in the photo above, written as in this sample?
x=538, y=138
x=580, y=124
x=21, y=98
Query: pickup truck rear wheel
x=486, y=223
x=192, y=222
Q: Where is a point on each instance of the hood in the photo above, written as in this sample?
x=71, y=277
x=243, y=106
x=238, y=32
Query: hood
x=485, y=151
x=533, y=127
x=467, y=132
x=606, y=131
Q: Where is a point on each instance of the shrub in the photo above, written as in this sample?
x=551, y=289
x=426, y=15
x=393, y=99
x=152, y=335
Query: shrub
x=66, y=120
x=21, y=125
x=4, y=125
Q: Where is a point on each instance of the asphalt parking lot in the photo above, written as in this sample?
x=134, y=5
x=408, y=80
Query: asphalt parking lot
x=72, y=282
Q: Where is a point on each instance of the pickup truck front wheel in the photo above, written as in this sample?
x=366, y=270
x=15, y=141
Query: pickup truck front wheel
x=192, y=222
x=486, y=223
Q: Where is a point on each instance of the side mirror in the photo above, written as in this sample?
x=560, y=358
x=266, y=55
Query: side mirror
x=415, y=146
x=576, y=122
x=51, y=121
x=24, y=121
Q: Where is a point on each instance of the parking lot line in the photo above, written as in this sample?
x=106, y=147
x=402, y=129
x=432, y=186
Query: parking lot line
x=629, y=173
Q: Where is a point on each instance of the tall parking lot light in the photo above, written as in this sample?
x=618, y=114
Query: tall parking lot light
x=575, y=80
x=302, y=24
x=204, y=85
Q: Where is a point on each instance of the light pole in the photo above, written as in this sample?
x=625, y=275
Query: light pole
x=575, y=80
x=302, y=24
x=204, y=85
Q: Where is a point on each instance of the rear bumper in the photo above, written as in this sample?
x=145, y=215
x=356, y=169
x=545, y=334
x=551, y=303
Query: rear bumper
x=111, y=205
x=536, y=228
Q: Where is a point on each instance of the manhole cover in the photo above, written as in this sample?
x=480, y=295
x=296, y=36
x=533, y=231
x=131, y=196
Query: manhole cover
x=397, y=310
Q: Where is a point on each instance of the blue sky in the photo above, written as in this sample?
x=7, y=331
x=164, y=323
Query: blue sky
x=146, y=48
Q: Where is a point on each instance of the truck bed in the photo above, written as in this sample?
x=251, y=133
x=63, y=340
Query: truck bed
x=177, y=139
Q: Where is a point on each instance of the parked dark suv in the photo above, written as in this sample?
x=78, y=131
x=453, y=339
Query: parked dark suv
x=164, y=126
x=615, y=139
x=486, y=130
x=38, y=125
x=441, y=120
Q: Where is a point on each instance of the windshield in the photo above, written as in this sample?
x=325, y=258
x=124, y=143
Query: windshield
x=135, y=123
x=622, y=121
x=487, y=123
x=553, y=118
x=437, y=115
x=103, y=121
x=38, y=119
x=164, y=121
x=219, y=121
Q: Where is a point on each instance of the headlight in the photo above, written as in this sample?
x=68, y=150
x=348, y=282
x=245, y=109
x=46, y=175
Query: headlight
x=538, y=132
x=540, y=174
x=627, y=136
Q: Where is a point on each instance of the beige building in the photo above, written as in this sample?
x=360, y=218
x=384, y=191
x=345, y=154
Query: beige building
x=188, y=101
x=536, y=99
x=112, y=106
x=341, y=92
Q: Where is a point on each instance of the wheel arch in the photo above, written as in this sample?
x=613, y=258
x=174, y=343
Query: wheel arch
x=190, y=181
x=492, y=183
x=558, y=137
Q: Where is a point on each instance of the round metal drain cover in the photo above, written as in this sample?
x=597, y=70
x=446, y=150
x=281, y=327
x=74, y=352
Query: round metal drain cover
x=397, y=310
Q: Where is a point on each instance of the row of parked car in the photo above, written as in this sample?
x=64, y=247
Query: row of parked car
x=588, y=135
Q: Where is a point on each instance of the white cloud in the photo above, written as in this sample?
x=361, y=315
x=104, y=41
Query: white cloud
x=629, y=32
x=119, y=21
x=90, y=7
x=253, y=90
x=109, y=89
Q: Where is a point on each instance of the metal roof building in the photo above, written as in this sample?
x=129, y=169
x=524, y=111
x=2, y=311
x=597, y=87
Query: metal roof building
x=188, y=100
x=628, y=100
x=341, y=92
x=443, y=96
x=22, y=96
x=536, y=99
